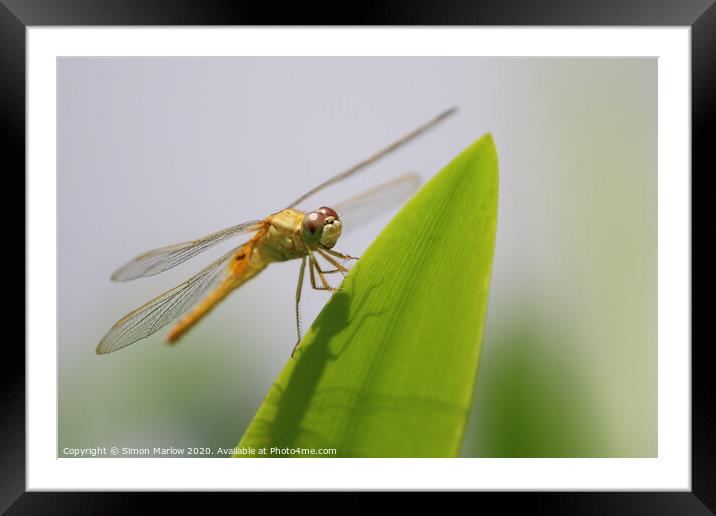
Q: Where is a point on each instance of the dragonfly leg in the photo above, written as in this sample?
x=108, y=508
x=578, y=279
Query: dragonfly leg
x=340, y=268
x=298, y=303
x=314, y=265
x=330, y=271
x=339, y=255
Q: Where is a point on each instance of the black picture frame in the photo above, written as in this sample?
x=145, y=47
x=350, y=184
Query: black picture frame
x=17, y=15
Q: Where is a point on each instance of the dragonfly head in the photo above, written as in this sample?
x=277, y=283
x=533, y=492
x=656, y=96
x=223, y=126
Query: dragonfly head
x=321, y=227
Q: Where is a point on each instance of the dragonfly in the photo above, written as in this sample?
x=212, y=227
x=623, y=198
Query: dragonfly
x=289, y=234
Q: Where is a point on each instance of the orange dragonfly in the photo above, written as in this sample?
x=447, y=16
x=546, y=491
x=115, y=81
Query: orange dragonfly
x=285, y=235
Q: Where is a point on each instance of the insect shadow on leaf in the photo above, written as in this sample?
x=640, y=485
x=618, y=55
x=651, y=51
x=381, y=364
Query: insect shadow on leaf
x=293, y=401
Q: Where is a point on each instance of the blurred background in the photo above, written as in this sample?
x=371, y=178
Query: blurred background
x=155, y=151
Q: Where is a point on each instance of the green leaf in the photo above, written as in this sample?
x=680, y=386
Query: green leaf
x=388, y=368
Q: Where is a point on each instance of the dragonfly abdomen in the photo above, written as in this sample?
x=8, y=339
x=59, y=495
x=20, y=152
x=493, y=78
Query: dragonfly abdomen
x=242, y=268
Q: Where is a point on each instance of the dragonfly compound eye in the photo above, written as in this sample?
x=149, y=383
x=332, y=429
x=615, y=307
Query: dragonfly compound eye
x=328, y=212
x=312, y=227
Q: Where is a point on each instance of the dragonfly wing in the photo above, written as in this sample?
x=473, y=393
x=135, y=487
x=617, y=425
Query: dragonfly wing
x=165, y=308
x=159, y=260
x=372, y=203
x=375, y=157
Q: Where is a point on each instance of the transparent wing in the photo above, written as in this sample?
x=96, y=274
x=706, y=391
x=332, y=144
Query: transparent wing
x=372, y=203
x=159, y=260
x=375, y=157
x=165, y=308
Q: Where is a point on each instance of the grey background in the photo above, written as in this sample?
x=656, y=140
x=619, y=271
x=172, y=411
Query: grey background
x=154, y=151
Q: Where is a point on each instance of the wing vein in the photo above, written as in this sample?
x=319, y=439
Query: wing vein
x=165, y=308
x=164, y=258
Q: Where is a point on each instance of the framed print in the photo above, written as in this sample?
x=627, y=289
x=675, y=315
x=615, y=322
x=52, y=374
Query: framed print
x=404, y=255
